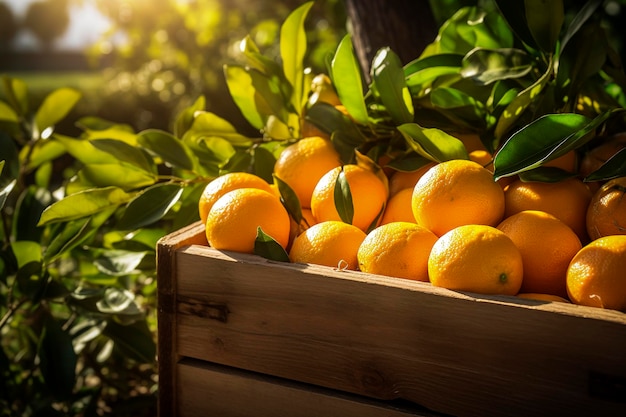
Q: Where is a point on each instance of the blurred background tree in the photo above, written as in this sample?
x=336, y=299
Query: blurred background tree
x=8, y=26
x=47, y=20
x=164, y=60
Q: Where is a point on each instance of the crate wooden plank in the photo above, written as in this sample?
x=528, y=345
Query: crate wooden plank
x=209, y=390
x=166, y=312
x=387, y=338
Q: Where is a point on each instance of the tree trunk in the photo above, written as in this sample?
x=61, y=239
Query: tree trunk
x=406, y=26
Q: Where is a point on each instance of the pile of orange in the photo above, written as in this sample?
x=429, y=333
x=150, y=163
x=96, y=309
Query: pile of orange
x=446, y=223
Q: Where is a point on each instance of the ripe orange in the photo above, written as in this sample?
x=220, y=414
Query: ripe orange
x=329, y=243
x=596, y=277
x=406, y=179
x=303, y=163
x=225, y=183
x=455, y=193
x=399, y=208
x=547, y=246
x=566, y=200
x=234, y=218
x=606, y=214
x=476, y=258
x=369, y=195
x=398, y=249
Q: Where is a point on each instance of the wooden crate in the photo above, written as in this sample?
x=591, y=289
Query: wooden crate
x=243, y=336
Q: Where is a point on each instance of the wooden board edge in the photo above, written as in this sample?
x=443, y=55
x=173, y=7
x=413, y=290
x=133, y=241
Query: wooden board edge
x=167, y=356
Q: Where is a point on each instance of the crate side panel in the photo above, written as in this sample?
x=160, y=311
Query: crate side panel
x=448, y=352
x=209, y=390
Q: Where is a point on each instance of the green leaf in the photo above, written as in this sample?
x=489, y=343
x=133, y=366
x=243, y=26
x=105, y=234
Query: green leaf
x=579, y=20
x=43, y=151
x=71, y=235
x=57, y=359
x=545, y=174
x=134, y=341
x=515, y=14
x=255, y=59
x=268, y=98
x=150, y=206
x=31, y=282
x=28, y=209
x=167, y=147
x=185, y=118
x=26, y=251
x=264, y=162
x=545, y=19
x=124, y=152
x=55, y=107
x=9, y=154
x=343, y=198
x=5, y=191
x=241, y=89
x=486, y=66
x=584, y=57
x=289, y=199
x=614, y=167
x=122, y=176
x=212, y=152
x=267, y=247
x=345, y=73
x=84, y=204
x=514, y=110
x=544, y=139
x=209, y=124
x=7, y=113
x=293, y=45
x=330, y=120
x=17, y=94
x=83, y=150
x=422, y=72
x=389, y=81
x=119, y=263
x=433, y=144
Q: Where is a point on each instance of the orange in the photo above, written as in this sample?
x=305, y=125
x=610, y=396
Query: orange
x=606, y=214
x=476, y=258
x=566, y=200
x=234, y=218
x=329, y=243
x=542, y=297
x=303, y=163
x=225, y=183
x=455, y=193
x=369, y=195
x=547, y=246
x=596, y=277
x=398, y=249
x=471, y=141
x=400, y=180
x=399, y=208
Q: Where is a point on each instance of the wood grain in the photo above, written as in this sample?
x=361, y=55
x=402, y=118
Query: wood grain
x=228, y=392
x=386, y=338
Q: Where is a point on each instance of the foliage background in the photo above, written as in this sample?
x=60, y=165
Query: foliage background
x=78, y=293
